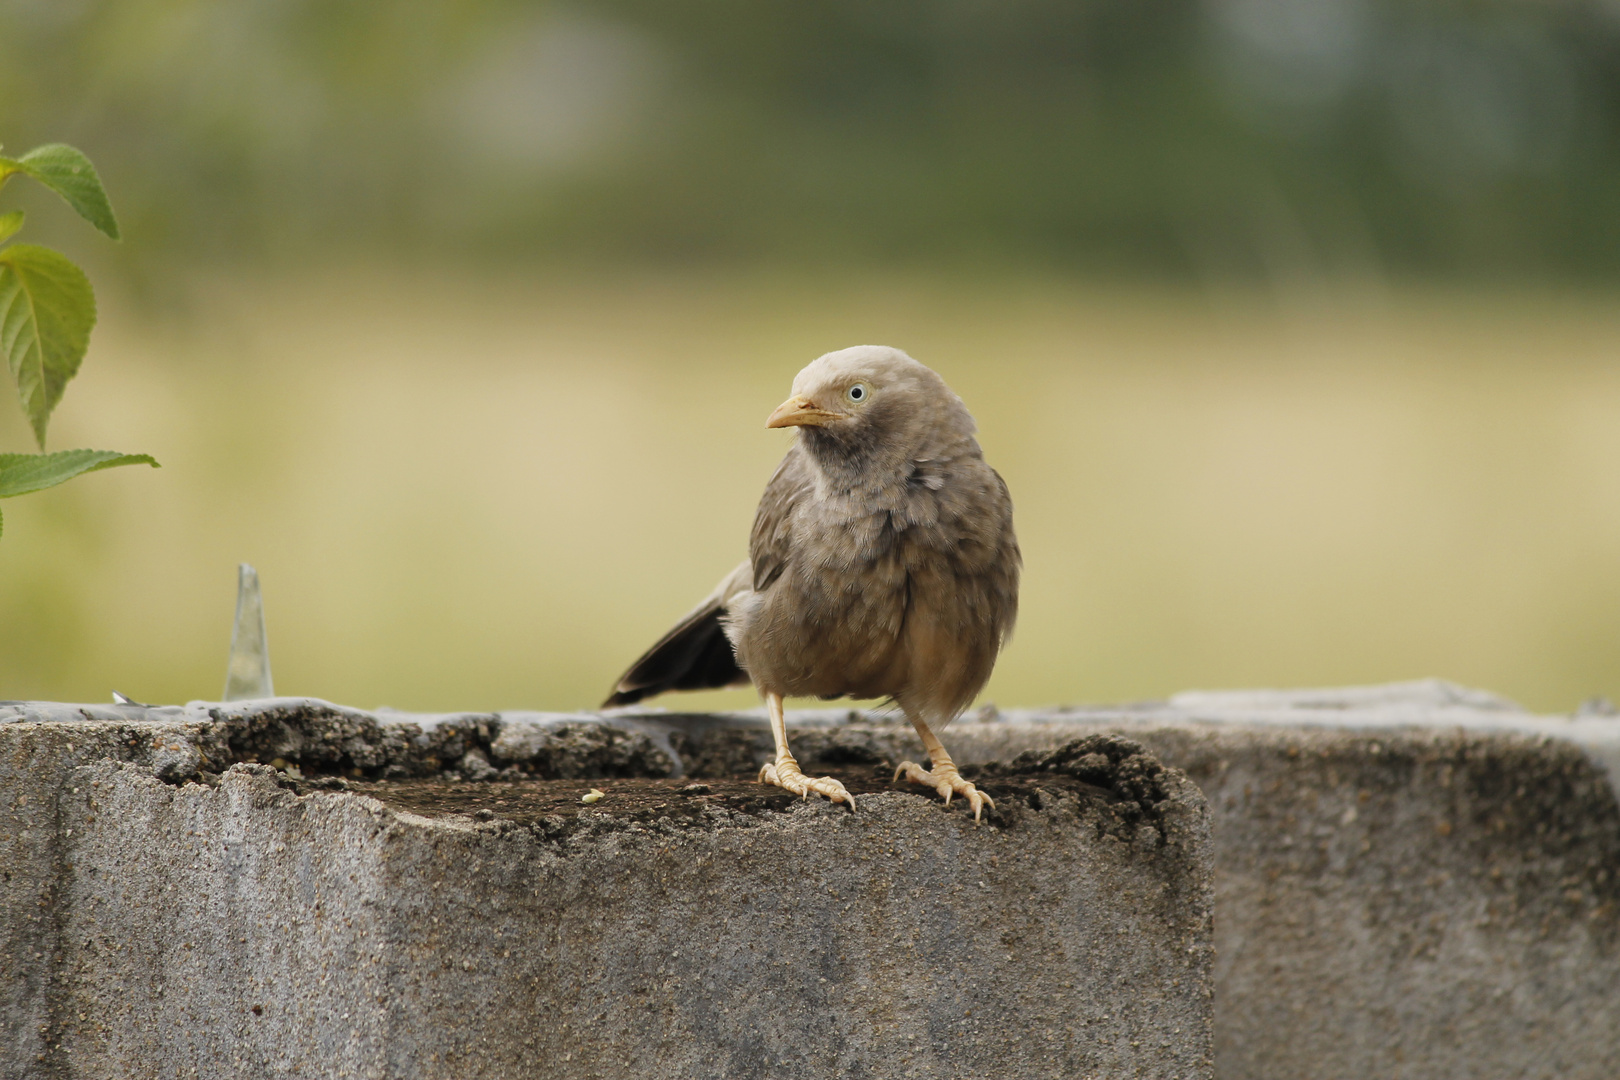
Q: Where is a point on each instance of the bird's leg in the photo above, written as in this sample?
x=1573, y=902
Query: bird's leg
x=784, y=772
x=943, y=777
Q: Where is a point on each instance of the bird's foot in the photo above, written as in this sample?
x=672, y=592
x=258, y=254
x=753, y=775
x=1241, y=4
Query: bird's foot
x=948, y=782
x=786, y=774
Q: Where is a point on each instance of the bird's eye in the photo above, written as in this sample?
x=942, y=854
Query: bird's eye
x=858, y=393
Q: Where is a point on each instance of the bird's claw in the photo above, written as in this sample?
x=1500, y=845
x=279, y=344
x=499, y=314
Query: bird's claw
x=948, y=782
x=786, y=774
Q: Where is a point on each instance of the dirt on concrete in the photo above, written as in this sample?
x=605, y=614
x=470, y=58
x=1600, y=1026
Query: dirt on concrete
x=1111, y=780
x=527, y=802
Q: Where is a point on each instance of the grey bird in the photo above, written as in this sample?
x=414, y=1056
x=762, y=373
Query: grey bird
x=882, y=564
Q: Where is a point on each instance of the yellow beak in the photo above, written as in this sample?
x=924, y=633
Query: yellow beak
x=800, y=411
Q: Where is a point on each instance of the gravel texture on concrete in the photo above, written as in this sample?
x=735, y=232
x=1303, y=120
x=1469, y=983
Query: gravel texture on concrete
x=335, y=910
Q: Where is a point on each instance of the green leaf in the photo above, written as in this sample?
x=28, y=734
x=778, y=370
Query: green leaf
x=47, y=311
x=22, y=473
x=9, y=224
x=68, y=173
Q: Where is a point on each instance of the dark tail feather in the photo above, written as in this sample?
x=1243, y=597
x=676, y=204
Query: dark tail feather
x=696, y=655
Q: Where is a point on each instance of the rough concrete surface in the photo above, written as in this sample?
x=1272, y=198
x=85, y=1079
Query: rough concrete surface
x=1415, y=880
x=1415, y=904
x=1411, y=881
x=175, y=913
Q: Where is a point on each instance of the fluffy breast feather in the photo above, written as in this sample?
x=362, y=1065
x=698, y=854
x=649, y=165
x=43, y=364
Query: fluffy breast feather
x=903, y=590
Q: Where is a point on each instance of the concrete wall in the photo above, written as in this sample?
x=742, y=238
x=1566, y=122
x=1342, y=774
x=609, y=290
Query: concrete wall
x=241, y=922
x=1410, y=881
x=1410, y=904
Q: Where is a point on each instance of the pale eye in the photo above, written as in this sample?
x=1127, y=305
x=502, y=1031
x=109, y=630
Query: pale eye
x=858, y=393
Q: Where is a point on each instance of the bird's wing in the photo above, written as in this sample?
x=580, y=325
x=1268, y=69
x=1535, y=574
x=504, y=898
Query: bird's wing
x=695, y=655
x=770, y=545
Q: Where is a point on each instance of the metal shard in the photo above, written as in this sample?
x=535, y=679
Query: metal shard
x=247, y=677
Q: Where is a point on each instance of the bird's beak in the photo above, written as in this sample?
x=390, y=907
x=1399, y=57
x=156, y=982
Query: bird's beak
x=800, y=411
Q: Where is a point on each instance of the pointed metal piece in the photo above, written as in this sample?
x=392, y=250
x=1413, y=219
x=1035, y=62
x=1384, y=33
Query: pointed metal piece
x=248, y=675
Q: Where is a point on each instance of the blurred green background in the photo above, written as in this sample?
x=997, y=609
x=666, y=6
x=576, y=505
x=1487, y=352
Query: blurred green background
x=1292, y=325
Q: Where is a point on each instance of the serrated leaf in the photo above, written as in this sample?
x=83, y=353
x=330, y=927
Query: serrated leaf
x=47, y=310
x=9, y=224
x=23, y=473
x=69, y=173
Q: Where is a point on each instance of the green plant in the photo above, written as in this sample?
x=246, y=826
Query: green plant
x=47, y=310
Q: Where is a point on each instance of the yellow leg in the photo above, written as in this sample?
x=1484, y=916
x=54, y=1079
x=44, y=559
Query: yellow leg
x=943, y=777
x=784, y=772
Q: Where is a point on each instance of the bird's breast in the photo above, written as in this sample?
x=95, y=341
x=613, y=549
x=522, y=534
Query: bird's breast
x=839, y=619
x=915, y=526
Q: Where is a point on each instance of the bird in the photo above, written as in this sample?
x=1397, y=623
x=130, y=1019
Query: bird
x=882, y=564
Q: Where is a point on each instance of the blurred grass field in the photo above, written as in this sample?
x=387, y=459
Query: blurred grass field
x=468, y=493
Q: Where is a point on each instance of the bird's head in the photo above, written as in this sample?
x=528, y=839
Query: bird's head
x=871, y=399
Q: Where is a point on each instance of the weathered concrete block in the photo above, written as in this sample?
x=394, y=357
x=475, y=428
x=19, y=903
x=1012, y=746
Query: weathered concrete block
x=1411, y=880
x=1415, y=880
x=1435, y=904
x=238, y=927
